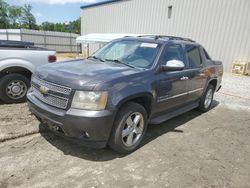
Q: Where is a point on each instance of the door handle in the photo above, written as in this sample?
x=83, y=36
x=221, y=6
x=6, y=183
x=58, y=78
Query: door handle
x=184, y=78
x=202, y=74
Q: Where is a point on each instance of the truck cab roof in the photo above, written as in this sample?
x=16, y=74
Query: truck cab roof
x=108, y=37
x=160, y=39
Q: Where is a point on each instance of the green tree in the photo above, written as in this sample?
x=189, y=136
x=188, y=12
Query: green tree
x=76, y=25
x=21, y=17
x=47, y=26
x=28, y=20
x=15, y=13
x=4, y=20
x=60, y=27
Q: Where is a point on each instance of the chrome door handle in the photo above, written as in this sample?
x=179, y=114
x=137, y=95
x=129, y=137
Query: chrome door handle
x=184, y=78
x=202, y=74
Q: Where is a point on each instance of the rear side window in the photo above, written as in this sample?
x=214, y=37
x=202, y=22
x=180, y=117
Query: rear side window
x=173, y=52
x=194, y=57
x=206, y=54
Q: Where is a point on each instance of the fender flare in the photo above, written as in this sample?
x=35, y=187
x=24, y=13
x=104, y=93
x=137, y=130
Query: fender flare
x=211, y=80
x=9, y=63
x=149, y=95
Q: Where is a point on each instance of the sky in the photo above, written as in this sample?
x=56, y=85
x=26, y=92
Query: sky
x=54, y=10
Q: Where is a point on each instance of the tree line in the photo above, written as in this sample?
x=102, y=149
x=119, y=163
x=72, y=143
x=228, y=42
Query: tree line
x=17, y=17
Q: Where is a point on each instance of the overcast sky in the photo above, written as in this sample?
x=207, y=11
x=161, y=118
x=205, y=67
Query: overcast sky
x=54, y=10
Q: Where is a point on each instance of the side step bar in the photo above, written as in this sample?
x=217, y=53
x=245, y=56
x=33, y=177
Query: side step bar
x=167, y=116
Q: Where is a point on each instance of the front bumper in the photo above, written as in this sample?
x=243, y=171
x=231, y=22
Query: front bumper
x=91, y=128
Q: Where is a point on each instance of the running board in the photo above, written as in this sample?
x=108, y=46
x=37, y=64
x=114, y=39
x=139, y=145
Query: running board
x=167, y=116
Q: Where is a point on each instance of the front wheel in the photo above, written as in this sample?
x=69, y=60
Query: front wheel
x=207, y=99
x=13, y=88
x=129, y=128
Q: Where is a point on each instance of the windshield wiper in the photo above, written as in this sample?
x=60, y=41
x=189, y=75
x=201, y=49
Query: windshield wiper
x=94, y=57
x=117, y=61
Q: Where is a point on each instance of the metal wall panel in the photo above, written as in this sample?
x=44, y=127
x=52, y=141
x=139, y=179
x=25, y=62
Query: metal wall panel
x=10, y=34
x=221, y=26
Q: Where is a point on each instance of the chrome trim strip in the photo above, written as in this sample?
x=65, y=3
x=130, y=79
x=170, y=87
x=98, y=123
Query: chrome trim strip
x=179, y=95
x=172, y=97
x=193, y=91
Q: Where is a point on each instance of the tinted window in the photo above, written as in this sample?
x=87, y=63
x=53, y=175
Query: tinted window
x=173, y=52
x=206, y=54
x=194, y=57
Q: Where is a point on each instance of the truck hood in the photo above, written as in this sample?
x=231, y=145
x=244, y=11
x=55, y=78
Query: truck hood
x=83, y=74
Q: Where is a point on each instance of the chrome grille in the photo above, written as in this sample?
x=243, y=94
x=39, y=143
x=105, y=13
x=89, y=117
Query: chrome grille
x=57, y=96
x=52, y=86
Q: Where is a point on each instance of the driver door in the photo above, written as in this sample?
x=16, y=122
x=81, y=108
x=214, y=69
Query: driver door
x=172, y=85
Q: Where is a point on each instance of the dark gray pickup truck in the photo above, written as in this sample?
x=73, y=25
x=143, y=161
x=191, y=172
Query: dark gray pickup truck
x=110, y=97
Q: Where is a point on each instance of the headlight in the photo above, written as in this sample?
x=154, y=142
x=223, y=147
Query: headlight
x=90, y=100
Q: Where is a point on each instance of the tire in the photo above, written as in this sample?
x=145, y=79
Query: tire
x=13, y=88
x=207, y=99
x=135, y=132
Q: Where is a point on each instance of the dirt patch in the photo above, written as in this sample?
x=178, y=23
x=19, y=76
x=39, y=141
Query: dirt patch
x=16, y=121
x=69, y=56
x=192, y=150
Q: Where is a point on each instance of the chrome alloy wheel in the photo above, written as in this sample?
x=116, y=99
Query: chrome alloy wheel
x=133, y=129
x=16, y=89
x=209, y=98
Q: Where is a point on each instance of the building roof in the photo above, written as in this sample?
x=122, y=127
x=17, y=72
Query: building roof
x=107, y=37
x=98, y=4
x=102, y=37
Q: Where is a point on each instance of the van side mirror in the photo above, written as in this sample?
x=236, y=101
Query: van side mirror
x=173, y=65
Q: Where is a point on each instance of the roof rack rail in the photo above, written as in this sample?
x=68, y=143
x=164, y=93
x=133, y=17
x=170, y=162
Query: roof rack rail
x=180, y=38
x=169, y=37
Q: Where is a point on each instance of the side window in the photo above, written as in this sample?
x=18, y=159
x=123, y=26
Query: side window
x=206, y=54
x=173, y=52
x=193, y=55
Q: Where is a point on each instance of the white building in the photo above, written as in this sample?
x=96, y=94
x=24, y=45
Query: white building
x=221, y=26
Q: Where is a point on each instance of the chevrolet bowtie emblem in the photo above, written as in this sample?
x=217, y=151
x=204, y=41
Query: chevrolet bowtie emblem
x=44, y=90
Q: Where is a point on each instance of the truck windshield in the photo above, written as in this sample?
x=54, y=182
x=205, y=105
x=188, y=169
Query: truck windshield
x=135, y=54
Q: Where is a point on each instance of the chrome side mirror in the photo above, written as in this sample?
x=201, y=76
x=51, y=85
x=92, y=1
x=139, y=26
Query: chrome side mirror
x=173, y=65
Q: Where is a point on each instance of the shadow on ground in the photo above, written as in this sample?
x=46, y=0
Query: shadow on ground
x=153, y=132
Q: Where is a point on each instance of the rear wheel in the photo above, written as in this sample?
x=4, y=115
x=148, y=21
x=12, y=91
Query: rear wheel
x=129, y=128
x=13, y=88
x=207, y=99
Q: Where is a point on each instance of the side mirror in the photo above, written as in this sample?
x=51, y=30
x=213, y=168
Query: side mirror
x=173, y=65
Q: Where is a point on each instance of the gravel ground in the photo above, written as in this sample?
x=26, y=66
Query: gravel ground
x=16, y=121
x=235, y=92
x=192, y=150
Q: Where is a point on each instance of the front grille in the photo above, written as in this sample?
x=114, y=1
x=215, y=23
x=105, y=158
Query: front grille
x=57, y=95
x=52, y=86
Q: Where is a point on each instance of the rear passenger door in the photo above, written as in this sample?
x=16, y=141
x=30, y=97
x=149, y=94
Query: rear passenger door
x=197, y=80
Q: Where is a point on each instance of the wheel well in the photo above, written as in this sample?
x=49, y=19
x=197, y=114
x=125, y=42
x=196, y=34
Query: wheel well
x=20, y=70
x=213, y=83
x=145, y=101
